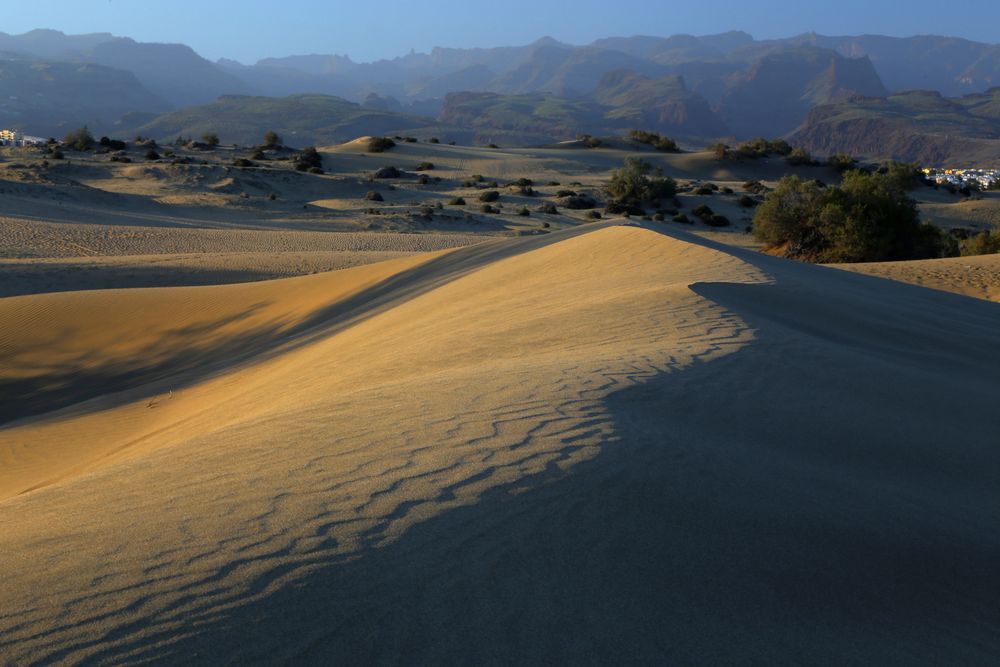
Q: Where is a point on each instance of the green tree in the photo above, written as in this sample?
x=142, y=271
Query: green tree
x=211, y=139
x=272, y=140
x=79, y=139
x=638, y=182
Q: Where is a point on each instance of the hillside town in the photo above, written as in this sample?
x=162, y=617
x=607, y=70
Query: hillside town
x=982, y=179
x=15, y=138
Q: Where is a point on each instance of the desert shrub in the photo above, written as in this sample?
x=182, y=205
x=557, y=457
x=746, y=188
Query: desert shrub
x=746, y=201
x=457, y=201
x=315, y=170
x=424, y=179
x=271, y=140
x=210, y=139
x=799, y=158
x=489, y=196
x=703, y=190
x=594, y=215
x=425, y=166
x=473, y=181
x=272, y=196
x=681, y=218
x=761, y=147
x=565, y=193
x=592, y=142
x=756, y=187
x=57, y=154
x=902, y=175
x=387, y=172
x=374, y=195
x=578, y=202
x=549, y=208
x=113, y=144
x=523, y=212
x=716, y=220
x=638, y=182
x=665, y=144
x=258, y=155
x=380, y=144
x=242, y=162
x=79, y=139
x=151, y=154
x=523, y=182
x=658, y=217
x=616, y=207
x=841, y=162
x=492, y=146
x=727, y=191
x=868, y=218
x=426, y=212
x=983, y=243
x=703, y=211
x=486, y=208
x=309, y=159
x=720, y=151
x=410, y=140
x=433, y=140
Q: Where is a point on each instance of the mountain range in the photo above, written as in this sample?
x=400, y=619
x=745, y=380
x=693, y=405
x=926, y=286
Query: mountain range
x=694, y=88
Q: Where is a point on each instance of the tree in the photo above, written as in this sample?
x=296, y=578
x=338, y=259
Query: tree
x=841, y=162
x=799, y=157
x=79, y=139
x=211, y=139
x=310, y=160
x=869, y=218
x=272, y=140
x=633, y=184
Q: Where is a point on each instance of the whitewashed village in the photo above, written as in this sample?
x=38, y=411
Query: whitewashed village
x=15, y=138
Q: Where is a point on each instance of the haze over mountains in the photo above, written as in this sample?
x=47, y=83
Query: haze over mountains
x=696, y=89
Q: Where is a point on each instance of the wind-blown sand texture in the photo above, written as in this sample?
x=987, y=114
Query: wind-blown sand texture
x=608, y=445
x=977, y=276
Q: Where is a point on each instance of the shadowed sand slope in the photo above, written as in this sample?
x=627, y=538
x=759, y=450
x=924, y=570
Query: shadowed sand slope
x=607, y=446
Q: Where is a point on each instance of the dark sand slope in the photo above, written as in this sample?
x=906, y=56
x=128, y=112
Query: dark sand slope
x=676, y=453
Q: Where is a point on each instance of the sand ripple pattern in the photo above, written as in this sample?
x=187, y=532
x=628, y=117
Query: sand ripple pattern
x=493, y=382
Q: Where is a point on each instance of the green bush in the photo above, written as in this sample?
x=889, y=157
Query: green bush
x=309, y=159
x=486, y=208
x=799, y=158
x=425, y=166
x=841, y=162
x=79, y=139
x=594, y=215
x=433, y=140
x=703, y=211
x=272, y=140
x=380, y=144
x=548, y=208
x=869, y=218
x=746, y=201
x=151, y=154
x=665, y=144
x=638, y=182
x=523, y=211
x=457, y=201
x=681, y=218
x=210, y=139
x=374, y=195
x=242, y=162
x=489, y=196
x=984, y=243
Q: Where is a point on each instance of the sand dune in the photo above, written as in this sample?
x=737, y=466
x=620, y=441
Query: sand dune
x=977, y=276
x=609, y=445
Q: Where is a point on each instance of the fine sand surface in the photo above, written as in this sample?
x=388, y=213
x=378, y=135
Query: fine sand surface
x=613, y=444
x=977, y=276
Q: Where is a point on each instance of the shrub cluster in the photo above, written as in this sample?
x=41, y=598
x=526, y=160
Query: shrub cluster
x=637, y=182
x=380, y=144
x=310, y=160
x=983, y=243
x=869, y=218
x=113, y=144
x=761, y=147
x=79, y=139
x=665, y=144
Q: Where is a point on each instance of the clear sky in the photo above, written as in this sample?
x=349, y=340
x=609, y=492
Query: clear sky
x=248, y=30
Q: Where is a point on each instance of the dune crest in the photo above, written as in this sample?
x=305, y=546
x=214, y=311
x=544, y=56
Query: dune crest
x=609, y=442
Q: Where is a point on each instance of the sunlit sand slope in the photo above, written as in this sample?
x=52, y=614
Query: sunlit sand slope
x=606, y=446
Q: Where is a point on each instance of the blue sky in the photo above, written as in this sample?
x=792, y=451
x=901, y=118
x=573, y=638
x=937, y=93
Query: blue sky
x=251, y=29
